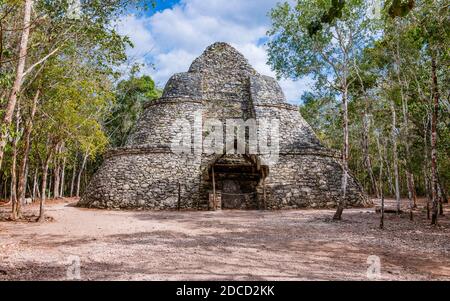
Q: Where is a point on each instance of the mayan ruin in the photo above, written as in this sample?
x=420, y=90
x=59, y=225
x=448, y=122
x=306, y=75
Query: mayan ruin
x=220, y=84
x=223, y=148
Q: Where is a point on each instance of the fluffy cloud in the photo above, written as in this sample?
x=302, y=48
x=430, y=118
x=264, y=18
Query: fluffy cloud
x=172, y=38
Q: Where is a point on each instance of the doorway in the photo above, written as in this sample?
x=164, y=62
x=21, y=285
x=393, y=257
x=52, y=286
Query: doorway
x=237, y=179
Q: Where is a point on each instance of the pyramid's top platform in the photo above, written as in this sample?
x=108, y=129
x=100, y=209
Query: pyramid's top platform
x=221, y=57
x=222, y=72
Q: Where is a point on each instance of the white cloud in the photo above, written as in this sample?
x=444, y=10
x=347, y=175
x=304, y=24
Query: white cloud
x=174, y=37
x=140, y=35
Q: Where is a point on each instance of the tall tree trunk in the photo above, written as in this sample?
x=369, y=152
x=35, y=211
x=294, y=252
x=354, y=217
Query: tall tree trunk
x=367, y=160
x=365, y=140
x=395, y=156
x=345, y=152
x=414, y=191
x=25, y=184
x=74, y=175
x=49, y=189
x=43, y=188
x=26, y=152
x=409, y=176
x=388, y=171
x=61, y=192
x=409, y=184
x=83, y=165
x=34, y=193
x=381, y=183
x=56, y=173
x=14, y=199
x=45, y=165
x=11, y=105
x=428, y=193
x=434, y=118
x=426, y=168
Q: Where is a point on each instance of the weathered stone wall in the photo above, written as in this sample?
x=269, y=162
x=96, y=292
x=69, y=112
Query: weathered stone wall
x=265, y=90
x=310, y=180
x=145, y=179
x=155, y=125
x=294, y=131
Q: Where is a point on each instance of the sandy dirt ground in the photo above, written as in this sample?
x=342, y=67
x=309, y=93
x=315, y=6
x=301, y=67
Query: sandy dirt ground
x=222, y=245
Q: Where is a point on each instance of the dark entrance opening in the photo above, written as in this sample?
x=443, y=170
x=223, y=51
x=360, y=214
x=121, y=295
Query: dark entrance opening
x=238, y=180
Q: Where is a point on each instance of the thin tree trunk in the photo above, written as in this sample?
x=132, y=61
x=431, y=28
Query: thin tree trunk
x=61, y=192
x=44, y=186
x=33, y=195
x=342, y=203
x=414, y=191
x=409, y=179
x=74, y=174
x=395, y=156
x=83, y=165
x=434, y=184
x=26, y=152
x=25, y=184
x=409, y=184
x=367, y=160
x=10, y=191
x=49, y=190
x=381, y=184
x=388, y=172
x=14, y=199
x=45, y=165
x=56, y=173
x=428, y=189
x=426, y=169
x=365, y=142
x=11, y=105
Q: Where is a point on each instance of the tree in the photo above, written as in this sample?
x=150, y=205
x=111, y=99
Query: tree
x=22, y=55
x=131, y=95
x=74, y=56
x=302, y=43
x=56, y=31
x=396, y=85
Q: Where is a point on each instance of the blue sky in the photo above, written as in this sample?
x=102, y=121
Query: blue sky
x=170, y=37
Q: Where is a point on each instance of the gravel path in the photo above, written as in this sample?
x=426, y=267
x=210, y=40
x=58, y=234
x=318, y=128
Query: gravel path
x=222, y=245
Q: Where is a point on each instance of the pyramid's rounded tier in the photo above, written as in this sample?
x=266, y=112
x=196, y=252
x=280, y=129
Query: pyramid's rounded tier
x=160, y=122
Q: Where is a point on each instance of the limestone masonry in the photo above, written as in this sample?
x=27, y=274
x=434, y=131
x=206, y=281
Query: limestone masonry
x=147, y=174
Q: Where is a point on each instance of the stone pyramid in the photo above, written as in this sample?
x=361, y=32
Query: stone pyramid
x=221, y=86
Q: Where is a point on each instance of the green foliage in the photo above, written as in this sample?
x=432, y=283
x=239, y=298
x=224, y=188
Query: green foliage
x=294, y=52
x=72, y=60
x=333, y=13
x=389, y=63
x=400, y=8
x=131, y=95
